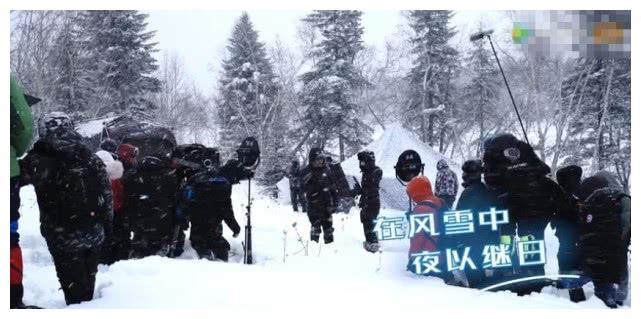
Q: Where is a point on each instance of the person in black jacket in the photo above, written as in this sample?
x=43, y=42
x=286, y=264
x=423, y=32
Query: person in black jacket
x=295, y=191
x=150, y=204
x=74, y=197
x=518, y=179
x=321, y=196
x=605, y=236
x=205, y=200
x=186, y=159
x=477, y=198
x=370, y=202
x=567, y=226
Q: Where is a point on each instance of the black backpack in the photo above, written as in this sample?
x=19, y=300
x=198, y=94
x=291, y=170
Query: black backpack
x=79, y=190
x=601, y=230
x=209, y=188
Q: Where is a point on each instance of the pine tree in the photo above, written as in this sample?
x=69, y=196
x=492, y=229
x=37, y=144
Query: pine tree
x=73, y=85
x=121, y=51
x=481, y=93
x=432, y=72
x=249, y=101
x=330, y=110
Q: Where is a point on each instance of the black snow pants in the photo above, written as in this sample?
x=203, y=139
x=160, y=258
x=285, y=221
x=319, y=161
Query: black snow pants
x=76, y=272
x=321, y=221
x=207, y=239
x=368, y=218
x=117, y=246
x=535, y=229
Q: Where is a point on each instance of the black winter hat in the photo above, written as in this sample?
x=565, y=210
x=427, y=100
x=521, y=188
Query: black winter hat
x=314, y=153
x=569, y=177
x=471, y=167
x=472, y=170
x=589, y=185
x=109, y=145
x=500, y=142
x=366, y=156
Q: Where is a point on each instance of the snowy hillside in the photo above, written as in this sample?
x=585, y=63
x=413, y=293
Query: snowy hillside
x=283, y=275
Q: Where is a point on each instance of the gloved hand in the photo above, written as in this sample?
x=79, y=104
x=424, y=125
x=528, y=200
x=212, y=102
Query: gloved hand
x=249, y=173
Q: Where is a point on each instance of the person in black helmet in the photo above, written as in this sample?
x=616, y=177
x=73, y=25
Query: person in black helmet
x=321, y=196
x=205, y=201
x=75, y=202
x=370, y=202
x=518, y=179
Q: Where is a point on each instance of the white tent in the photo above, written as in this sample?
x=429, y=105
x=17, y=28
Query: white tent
x=394, y=140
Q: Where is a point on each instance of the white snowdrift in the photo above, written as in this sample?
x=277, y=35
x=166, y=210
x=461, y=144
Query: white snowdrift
x=93, y=127
x=341, y=272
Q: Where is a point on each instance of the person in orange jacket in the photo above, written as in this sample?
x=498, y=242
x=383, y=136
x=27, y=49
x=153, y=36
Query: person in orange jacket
x=419, y=189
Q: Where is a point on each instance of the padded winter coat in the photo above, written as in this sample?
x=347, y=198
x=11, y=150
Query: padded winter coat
x=41, y=167
x=446, y=181
x=21, y=130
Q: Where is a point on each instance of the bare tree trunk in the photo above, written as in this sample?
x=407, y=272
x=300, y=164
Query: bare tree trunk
x=430, y=126
x=597, y=163
x=341, y=147
x=423, y=130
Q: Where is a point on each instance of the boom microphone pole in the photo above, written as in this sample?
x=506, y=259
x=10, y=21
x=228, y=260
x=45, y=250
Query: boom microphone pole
x=247, y=259
x=249, y=158
x=480, y=35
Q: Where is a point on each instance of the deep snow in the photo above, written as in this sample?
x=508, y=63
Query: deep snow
x=342, y=269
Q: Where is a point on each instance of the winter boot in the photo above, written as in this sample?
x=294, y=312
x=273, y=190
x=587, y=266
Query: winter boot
x=577, y=294
x=328, y=238
x=314, y=233
x=205, y=254
x=23, y=306
x=607, y=293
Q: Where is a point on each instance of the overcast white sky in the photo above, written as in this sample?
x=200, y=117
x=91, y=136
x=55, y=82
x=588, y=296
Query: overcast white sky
x=200, y=37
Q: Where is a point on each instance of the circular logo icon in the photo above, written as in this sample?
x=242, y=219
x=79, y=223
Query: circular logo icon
x=588, y=218
x=512, y=154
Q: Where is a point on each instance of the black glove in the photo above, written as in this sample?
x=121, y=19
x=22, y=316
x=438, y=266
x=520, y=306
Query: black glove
x=248, y=173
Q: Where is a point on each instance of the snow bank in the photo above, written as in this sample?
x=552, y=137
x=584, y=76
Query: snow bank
x=283, y=276
x=92, y=127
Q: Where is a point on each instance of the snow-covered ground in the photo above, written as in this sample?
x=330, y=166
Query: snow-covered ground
x=283, y=274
